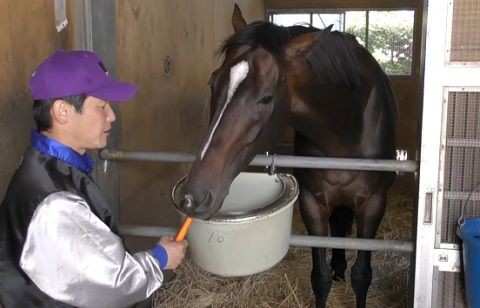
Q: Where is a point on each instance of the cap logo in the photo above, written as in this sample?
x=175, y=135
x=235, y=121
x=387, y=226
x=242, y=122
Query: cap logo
x=103, y=67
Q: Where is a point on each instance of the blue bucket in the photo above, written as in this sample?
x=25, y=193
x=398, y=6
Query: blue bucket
x=469, y=232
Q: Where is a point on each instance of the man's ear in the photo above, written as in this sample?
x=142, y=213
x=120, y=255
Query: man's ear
x=60, y=112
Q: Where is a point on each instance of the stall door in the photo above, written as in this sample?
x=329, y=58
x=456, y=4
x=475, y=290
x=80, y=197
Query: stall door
x=450, y=148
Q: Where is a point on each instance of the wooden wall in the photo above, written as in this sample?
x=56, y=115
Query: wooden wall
x=27, y=36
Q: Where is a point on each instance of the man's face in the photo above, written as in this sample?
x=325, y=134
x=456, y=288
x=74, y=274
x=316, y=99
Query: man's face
x=90, y=128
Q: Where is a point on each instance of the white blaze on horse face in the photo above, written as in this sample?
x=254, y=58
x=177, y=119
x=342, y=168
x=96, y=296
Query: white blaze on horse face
x=238, y=73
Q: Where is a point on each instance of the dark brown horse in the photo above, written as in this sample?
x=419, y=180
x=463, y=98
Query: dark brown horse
x=340, y=103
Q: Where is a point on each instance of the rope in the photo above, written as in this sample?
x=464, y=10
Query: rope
x=461, y=220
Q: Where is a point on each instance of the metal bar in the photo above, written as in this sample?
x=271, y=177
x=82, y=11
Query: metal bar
x=336, y=163
x=150, y=231
x=350, y=243
x=177, y=157
x=295, y=240
x=310, y=162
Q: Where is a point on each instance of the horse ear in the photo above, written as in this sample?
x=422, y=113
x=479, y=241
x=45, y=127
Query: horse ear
x=304, y=45
x=322, y=35
x=299, y=46
x=237, y=19
x=315, y=51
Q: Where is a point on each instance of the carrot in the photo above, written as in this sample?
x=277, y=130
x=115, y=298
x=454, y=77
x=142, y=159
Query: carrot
x=182, y=232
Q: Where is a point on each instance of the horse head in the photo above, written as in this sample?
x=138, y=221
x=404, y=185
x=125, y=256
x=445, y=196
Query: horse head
x=250, y=96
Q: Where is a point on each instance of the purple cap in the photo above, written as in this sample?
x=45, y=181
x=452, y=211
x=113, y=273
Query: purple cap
x=68, y=73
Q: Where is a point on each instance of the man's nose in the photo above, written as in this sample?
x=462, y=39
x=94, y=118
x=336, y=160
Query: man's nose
x=110, y=114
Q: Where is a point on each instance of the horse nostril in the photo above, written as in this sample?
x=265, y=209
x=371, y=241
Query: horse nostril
x=187, y=202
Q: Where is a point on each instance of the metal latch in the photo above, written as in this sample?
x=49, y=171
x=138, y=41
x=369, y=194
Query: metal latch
x=447, y=260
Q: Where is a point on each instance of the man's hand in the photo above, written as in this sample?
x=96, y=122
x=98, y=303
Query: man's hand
x=175, y=250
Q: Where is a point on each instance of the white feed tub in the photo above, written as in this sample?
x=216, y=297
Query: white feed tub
x=251, y=232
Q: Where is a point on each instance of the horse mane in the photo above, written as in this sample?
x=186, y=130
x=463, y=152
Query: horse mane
x=264, y=34
x=332, y=58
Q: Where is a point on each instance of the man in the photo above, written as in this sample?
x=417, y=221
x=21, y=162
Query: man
x=59, y=245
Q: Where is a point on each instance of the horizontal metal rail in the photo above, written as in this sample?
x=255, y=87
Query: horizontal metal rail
x=350, y=243
x=149, y=231
x=310, y=162
x=295, y=240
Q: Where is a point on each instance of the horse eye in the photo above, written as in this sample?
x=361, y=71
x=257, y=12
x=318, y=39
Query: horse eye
x=265, y=100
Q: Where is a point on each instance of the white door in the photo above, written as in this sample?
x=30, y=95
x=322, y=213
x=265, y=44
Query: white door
x=450, y=149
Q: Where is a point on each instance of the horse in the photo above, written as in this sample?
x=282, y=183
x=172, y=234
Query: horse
x=339, y=102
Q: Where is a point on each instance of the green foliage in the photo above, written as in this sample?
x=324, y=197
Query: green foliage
x=391, y=45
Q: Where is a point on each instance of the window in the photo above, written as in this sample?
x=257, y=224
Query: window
x=388, y=35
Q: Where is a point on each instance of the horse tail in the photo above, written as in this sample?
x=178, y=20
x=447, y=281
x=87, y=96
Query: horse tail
x=341, y=221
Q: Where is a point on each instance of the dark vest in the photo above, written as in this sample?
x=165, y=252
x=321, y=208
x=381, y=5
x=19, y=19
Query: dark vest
x=38, y=176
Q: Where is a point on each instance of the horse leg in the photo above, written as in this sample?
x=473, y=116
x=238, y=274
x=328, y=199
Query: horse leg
x=315, y=217
x=368, y=215
x=340, y=225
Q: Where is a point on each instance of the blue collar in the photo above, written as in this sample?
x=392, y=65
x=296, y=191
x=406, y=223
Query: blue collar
x=53, y=148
